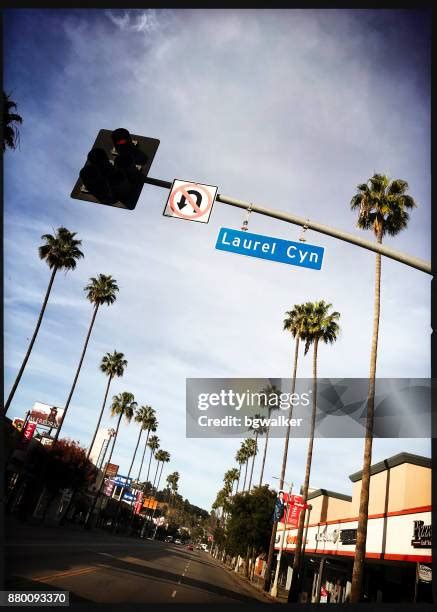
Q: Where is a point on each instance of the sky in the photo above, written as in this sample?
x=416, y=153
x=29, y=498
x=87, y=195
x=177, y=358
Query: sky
x=289, y=109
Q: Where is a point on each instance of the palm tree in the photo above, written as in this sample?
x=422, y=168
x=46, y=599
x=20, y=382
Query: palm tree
x=248, y=447
x=258, y=431
x=240, y=458
x=100, y=290
x=11, y=135
x=230, y=477
x=153, y=444
x=172, y=480
x=382, y=207
x=60, y=252
x=149, y=424
x=165, y=458
x=159, y=456
x=295, y=324
x=320, y=325
x=112, y=364
x=271, y=391
x=123, y=404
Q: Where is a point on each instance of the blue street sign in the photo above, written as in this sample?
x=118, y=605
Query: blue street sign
x=274, y=249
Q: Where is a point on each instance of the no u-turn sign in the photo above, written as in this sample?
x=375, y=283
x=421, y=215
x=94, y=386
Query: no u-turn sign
x=190, y=201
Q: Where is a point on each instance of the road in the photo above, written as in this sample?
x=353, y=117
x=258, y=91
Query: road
x=98, y=567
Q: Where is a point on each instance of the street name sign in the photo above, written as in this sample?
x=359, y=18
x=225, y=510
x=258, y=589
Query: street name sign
x=273, y=249
x=190, y=201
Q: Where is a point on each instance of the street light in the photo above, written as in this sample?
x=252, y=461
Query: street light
x=274, y=591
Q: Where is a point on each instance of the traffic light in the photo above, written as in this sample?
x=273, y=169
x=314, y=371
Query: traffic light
x=115, y=169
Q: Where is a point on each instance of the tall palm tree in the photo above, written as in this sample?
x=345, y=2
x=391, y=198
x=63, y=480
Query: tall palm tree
x=320, y=326
x=60, y=252
x=258, y=431
x=150, y=423
x=240, y=458
x=11, y=134
x=159, y=457
x=230, y=477
x=153, y=444
x=165, y=458
x=123, y=404
x=100, y=290
x=271, y=391
x=112, y=364
x=382, y=207
x=172, y=480
x=249, y=450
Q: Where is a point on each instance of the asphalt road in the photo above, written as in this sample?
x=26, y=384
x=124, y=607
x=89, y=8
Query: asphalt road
x=98, y=567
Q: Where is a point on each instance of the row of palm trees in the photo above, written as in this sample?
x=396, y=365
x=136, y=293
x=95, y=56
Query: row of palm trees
x=382, y=207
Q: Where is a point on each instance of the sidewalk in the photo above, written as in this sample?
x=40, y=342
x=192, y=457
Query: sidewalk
x=257, y=585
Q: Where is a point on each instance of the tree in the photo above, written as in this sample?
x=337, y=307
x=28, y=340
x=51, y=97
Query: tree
x=11, y=136
x=100, y=290
x=240, y=458
x=149, y=424
x=251, y=450
x=271, y=392
x=382, y=207
x=258, y=430
x=230, y=477
x=320, y=326
x=60, y=252
x=153, y=444
x=112, y=364
x=173, y=479
x=295, y=324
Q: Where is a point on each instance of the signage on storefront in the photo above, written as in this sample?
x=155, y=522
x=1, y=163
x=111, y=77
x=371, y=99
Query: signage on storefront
x=348, y=536
x=424, y=573
x=328, y=536
x=421, y=535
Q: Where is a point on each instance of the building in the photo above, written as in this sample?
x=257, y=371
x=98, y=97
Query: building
x=398, y=543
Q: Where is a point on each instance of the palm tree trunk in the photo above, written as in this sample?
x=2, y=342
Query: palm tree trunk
x=100, y=419
x=360, y=547
x=264, y=456
x=142, y=458
x=156, y=473
x=253, y=460
x=294, y=587
x=245, y=474
x=29, y=350
x=70, y=395
x=267, y=574
x=150, y=461
x=128, y=474
x=238, y=481
x=160, y=474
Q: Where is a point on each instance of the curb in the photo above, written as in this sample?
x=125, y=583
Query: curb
x=248, y=583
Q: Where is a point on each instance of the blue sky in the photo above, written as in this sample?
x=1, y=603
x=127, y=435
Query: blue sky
x=286, y=108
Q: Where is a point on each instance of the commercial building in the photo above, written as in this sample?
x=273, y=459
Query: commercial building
x=398, y=546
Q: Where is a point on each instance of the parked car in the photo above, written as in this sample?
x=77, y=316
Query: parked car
x=204, y=547
x=169, y=539
x=178, y=541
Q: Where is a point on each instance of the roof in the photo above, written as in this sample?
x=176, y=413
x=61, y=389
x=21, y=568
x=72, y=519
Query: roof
x=391, y=462
x=327, y=493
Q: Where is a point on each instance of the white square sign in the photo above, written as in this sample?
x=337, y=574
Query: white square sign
x=190, y=201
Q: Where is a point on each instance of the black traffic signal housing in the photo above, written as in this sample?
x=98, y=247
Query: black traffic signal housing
x=115, y=169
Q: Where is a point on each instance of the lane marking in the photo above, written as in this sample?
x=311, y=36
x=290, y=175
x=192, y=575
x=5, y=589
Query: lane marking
x=85, y=570
x=174, y=593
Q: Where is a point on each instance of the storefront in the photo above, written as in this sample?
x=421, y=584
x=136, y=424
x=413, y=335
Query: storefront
x=398, y=536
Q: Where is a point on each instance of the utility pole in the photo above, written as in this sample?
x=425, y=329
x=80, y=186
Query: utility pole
x=274, y=591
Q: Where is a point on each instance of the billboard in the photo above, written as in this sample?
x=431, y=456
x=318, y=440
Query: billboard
x=46, y=415
x=108, y=487
x=111, y=470
x=150, y=502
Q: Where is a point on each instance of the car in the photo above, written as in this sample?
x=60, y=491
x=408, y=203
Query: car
x=169, y=539
x=204, y=547
x=190, y=547
x=178, y=541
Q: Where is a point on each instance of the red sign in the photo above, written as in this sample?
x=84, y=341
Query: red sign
x=292, y=512
x=111, y=470
x=27, y=435
x=138, y=502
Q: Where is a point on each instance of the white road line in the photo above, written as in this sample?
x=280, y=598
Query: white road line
x=173, y=594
